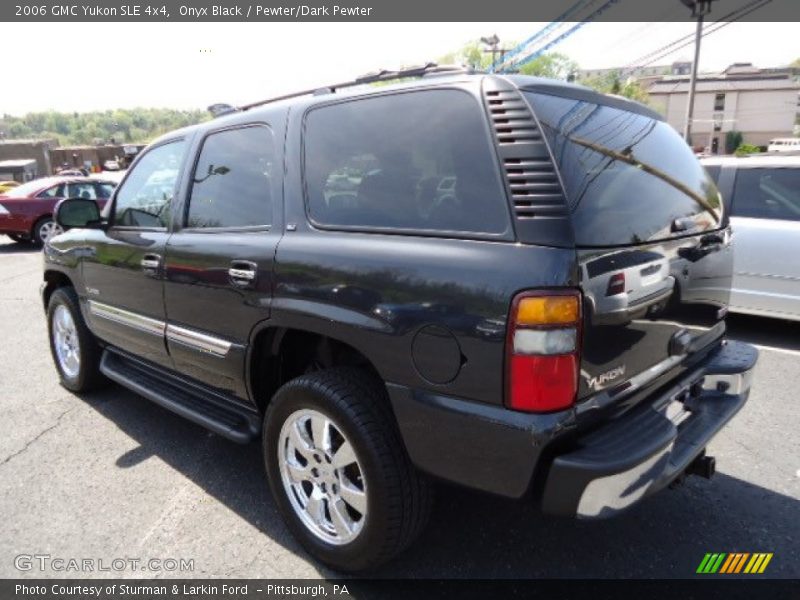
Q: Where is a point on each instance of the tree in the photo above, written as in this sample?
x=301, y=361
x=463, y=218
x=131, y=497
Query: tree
x=611, y=83
x=733, y=139
x=795, y=63
x=553, y=65
x=121, y=125
x=471, y=54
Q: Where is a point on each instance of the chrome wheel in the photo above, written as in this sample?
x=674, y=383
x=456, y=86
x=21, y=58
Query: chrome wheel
x=49, y=229
x=65, y=342
x=322, y=477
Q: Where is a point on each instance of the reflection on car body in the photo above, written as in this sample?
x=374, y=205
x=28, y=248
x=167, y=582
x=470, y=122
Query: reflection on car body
x=622, y=286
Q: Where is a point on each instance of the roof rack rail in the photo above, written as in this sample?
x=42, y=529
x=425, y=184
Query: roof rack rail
x=373, y=77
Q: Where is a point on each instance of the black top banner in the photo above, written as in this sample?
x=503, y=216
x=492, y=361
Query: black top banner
x=397, y=10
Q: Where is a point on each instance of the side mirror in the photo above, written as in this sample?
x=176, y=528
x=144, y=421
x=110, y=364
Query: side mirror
x=77, y=212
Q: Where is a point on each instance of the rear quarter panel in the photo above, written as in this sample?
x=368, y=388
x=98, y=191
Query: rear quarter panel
x=24, y=212
x=766, y=273
x=428, y=313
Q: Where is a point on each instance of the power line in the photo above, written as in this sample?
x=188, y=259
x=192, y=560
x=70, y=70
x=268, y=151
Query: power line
x=528, y=58
x=659, y=20
x=632, y=36
x=686, y=40
x=509, y=56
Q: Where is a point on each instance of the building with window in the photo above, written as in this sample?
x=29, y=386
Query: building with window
x=640, y=73
x=38, y=150
x=762, y=104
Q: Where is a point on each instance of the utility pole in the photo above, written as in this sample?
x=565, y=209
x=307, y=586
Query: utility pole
x=492, y=42
x=700, y=8
x=493, y=46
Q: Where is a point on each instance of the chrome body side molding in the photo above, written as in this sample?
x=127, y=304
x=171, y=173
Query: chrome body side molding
x=201, y=342
x=195, y=340
x=126, y=317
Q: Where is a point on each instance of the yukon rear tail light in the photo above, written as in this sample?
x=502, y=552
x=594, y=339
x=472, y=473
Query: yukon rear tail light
x=543, y=351
x=616, y=285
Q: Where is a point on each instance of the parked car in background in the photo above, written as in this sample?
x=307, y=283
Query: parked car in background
x=78, y=172
x=112, y=176
x=784, y=145
x=26, y=212
x=762, y=194
x=8, y=185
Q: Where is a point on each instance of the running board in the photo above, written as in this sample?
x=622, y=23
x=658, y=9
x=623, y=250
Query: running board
x=205, y=408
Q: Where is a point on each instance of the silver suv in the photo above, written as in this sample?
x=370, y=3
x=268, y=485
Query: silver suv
x=763, y=197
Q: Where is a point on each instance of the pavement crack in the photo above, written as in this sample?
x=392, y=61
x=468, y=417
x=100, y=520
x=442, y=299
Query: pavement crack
x=17, y=276
x=177, y=506
x=37, y=438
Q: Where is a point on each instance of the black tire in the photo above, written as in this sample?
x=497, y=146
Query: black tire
x=36, y=232
x=88, y=376
x=399, y=498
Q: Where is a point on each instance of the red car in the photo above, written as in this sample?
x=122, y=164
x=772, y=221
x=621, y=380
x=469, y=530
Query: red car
x=26, y=212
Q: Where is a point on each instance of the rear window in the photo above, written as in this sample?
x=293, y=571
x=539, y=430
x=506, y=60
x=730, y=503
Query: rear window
x=26, y=189
x=628, y=178
x=767, y=194
x=413, y=161
x=104, y=190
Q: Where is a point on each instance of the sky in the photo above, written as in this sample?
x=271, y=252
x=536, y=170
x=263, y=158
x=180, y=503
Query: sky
x=193, y=65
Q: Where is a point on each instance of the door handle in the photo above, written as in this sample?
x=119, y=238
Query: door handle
x=712, y=239
x=242, y=273
x=151, y=263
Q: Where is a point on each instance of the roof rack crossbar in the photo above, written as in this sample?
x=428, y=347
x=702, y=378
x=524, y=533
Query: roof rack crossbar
x=374, y=77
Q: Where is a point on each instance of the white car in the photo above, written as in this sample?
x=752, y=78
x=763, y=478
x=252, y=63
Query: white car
x=762, y=195
x=784, y=145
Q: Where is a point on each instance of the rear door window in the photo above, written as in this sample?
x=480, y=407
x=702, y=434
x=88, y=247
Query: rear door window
x=628, y=178
x=232, y=181
x=410, y=161
x=767, y=194
x=104, y=190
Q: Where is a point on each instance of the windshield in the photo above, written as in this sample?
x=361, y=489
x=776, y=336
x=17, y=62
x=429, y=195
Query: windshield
x=629, y=178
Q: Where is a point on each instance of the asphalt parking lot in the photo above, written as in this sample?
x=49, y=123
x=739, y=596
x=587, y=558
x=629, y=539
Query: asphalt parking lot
x=110, y=475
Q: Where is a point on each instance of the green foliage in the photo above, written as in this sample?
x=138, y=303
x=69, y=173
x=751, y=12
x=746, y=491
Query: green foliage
x=471, y=54
x=733, y=139
x=553, y=65
x=745, y=149
x=611, y=83
x=138, y=125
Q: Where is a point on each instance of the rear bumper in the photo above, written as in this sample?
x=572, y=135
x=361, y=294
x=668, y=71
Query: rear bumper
x=641, y=453
x=592, y=475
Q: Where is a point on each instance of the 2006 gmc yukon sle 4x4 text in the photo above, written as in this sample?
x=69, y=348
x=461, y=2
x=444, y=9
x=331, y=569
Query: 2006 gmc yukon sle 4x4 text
x=510, y=283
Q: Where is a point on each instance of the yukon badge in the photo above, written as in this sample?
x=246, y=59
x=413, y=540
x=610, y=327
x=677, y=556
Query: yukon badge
x=598, y=382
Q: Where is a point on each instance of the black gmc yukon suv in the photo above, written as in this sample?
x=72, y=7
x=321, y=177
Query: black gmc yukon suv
x=513, y=284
